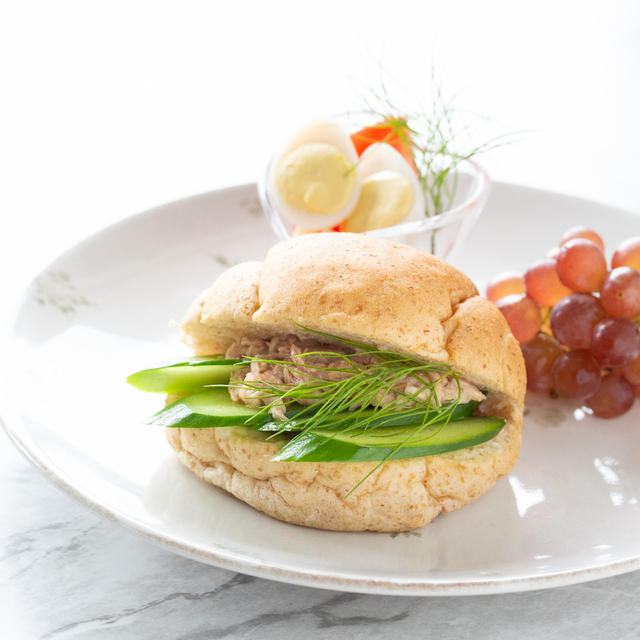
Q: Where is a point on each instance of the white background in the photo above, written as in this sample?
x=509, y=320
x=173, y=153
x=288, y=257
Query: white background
x=113, y=107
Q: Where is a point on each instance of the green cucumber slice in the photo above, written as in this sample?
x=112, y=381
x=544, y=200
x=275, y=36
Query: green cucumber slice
x=210, y=408
x=185, y=376
x=372, y=445
x=214, y=408
x=408, y=417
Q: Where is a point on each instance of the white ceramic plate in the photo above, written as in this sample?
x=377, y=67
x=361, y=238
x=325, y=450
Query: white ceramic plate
x=568, y=512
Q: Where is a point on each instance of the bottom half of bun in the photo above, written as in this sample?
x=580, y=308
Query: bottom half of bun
x=399, y=495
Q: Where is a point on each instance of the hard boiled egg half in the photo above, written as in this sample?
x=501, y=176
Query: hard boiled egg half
x=315, y=182
x=318, y=182
x=390, y=191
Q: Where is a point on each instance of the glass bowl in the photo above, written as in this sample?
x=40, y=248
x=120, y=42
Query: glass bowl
x=440, y=234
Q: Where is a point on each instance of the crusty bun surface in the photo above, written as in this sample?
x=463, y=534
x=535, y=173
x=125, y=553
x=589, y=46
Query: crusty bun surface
x=385, y=294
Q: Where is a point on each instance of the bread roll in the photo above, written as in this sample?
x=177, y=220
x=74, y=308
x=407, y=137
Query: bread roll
x=387, y=295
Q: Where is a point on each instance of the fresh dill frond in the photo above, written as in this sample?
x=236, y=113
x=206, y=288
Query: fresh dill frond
x=439, y=136
x=348, y=392
x=342, y=393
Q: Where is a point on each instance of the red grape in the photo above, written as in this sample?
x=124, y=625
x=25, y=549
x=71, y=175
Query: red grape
x=576, y=374
x=632, y=372
x=627, y=254
x=620, y=293
x=615, y=342
x=582, y=232
x=505, y=284
x=581, y=265
x=539, y=355
x=522, y=315
x=542, y=283
x=588, y=346
x=614, y=397
x=573, y=318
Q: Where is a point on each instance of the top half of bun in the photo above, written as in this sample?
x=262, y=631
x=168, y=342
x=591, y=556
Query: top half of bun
x=367, y=289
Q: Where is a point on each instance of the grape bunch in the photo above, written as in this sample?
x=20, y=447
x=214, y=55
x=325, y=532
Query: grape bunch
x=578, y=321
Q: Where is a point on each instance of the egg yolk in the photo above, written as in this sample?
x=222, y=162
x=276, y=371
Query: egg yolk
x=317, y=178
x=385, y=199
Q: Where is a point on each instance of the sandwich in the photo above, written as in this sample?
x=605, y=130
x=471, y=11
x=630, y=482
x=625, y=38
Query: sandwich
x=346, y=383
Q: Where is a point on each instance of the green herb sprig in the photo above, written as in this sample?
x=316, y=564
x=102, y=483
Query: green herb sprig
x=355, y=400
x=439, y=134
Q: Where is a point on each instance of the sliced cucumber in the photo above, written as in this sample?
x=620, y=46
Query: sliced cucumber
x=389, y=443
x=210, y=408
x=185, y=376
x=408, y=417
x=213, y=408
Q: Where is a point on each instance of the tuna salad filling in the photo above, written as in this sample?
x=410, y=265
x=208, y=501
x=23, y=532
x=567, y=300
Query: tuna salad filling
x=248, y=384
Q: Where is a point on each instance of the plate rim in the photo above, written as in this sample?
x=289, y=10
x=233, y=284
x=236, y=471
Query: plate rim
x=245, y=563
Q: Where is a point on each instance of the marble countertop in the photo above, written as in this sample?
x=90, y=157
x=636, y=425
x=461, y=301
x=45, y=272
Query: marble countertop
x=67, y=573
